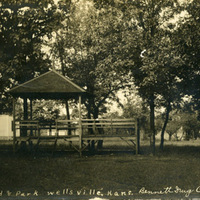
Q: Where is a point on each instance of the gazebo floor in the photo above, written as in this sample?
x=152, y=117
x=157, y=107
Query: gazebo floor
x=79, y=144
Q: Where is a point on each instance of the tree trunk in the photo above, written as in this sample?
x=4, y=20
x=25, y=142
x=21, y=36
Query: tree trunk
x=100, y=131
x=170, y=137
x=152, y=125
x=164, y=126
x=67, y=110
x=91, y=145
x=60, y=52
x=89, y=112
x=95, y=116
x=25, y=107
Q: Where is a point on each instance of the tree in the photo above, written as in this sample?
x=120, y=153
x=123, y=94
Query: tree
x=89, y=38
x=45, y=110
x=188, y=117
x=136, y=108
x=173, y=124
x=150, y=54
x=24, y=25
x=188, y=40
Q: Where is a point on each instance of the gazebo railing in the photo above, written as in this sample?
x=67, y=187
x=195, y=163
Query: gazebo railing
x=83, y=131
x=69, y=125
x=110, y=127
x=24, y=126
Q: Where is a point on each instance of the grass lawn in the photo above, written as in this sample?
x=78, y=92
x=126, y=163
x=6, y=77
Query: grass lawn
x=110, y=174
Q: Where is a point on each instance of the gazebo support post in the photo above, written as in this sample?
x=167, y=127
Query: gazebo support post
x=31, y=114
x=14, y=126
x=23, y=130
x=31, y=109
x=80, y=127
x=31, y=117
x=25, y=105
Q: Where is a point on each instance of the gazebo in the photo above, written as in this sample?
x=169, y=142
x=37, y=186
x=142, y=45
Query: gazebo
x=50, y=85
x=54, y=86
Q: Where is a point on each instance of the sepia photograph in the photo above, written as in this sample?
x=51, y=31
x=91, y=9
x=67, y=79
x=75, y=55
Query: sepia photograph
x=99, y=99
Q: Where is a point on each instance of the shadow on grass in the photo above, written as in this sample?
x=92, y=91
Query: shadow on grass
x=145, y=150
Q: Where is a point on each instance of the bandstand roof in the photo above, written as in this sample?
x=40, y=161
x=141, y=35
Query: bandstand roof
x=50, y=85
